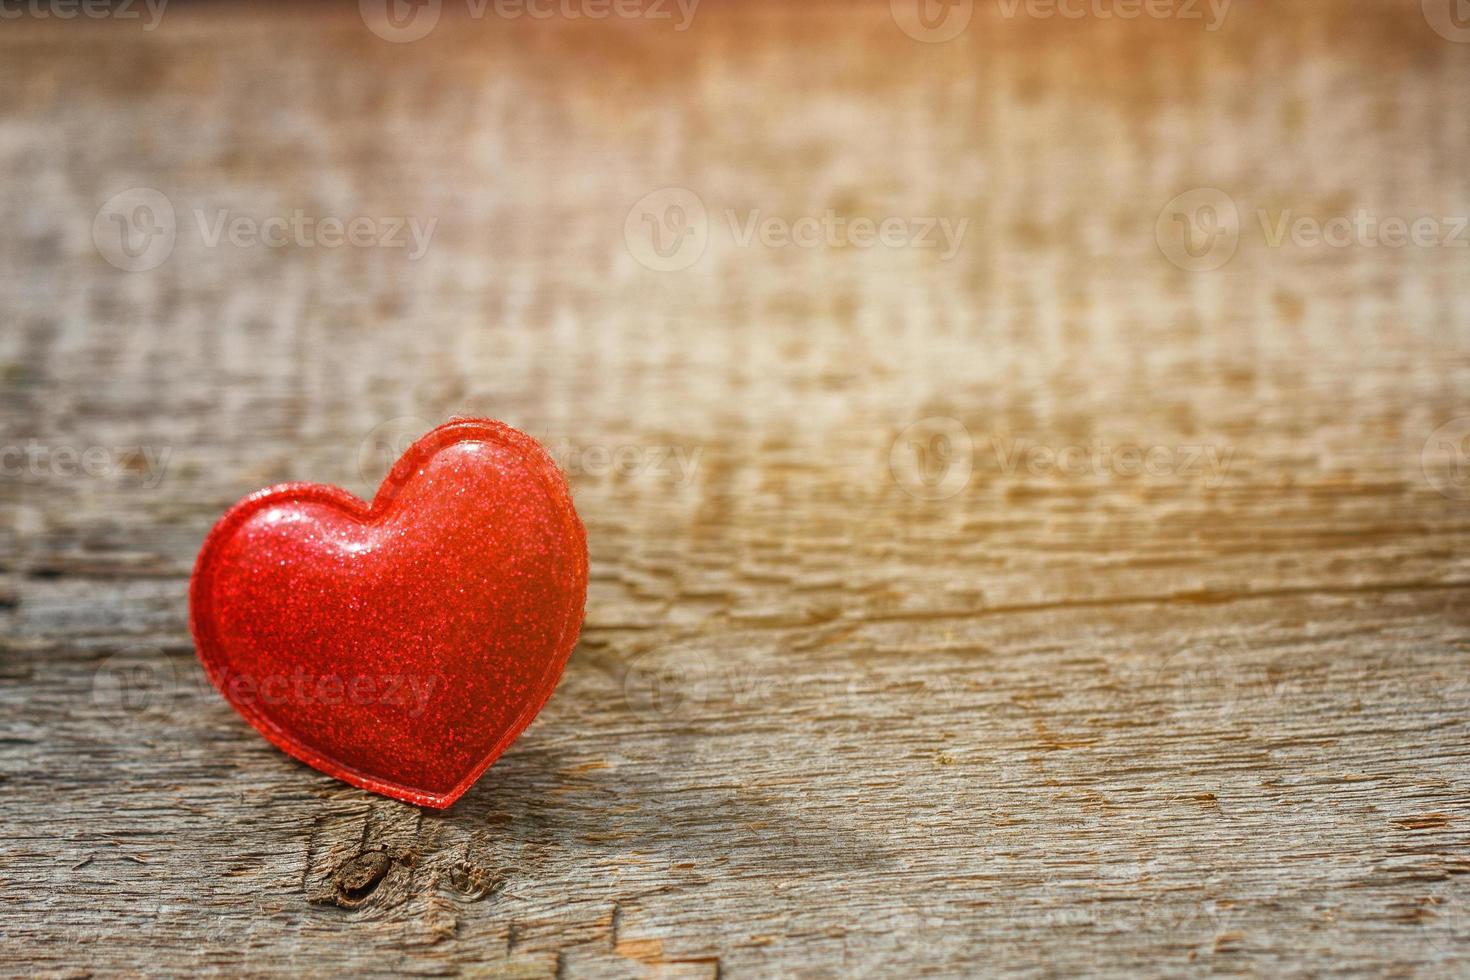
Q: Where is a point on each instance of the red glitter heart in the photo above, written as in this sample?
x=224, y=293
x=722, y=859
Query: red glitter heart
x=400, y=645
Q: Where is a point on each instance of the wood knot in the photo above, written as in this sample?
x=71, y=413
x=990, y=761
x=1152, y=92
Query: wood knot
x=360, y=876
x=472, y=882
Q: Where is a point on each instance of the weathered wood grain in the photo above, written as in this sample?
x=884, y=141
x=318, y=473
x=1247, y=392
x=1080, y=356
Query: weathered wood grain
x=1211, y=717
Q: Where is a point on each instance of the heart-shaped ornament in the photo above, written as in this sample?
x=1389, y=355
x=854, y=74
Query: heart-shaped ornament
x=402, y=645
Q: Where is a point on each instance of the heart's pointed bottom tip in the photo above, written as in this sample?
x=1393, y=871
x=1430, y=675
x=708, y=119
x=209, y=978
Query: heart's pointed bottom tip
x=393, y=791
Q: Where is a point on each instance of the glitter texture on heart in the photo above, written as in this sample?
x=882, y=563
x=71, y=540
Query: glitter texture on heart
x=402, y=645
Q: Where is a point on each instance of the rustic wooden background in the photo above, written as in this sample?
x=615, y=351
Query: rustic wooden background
x=856, y=695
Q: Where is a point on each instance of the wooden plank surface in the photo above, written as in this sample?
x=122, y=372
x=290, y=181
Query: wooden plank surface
x=1043, y=607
